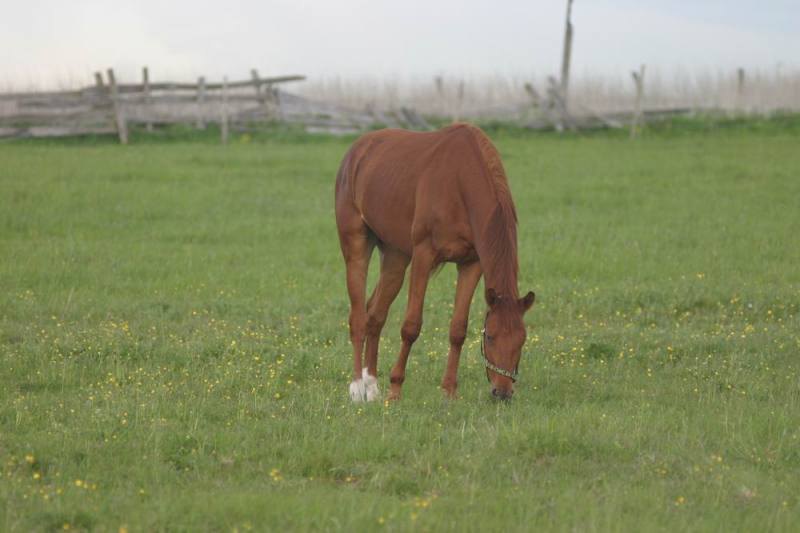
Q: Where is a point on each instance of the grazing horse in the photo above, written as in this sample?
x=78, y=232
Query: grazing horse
x=426, y=199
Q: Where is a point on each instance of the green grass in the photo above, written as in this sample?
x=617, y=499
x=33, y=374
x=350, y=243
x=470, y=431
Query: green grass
x=174, y=353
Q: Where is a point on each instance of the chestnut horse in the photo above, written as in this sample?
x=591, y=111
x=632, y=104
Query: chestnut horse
x=426, y=199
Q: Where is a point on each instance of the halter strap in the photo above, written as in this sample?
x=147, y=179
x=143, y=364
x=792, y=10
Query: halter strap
x=491, y=366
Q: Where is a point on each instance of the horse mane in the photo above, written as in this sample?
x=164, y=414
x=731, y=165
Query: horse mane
x=500, y=233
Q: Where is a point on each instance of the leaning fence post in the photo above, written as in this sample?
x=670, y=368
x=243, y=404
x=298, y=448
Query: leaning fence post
x=224, y=111
x=98, y=80
x=556, y=102
x=638, y=79
x=536, y=100
x=147, y=98
x=122, y=127
x=201, y=100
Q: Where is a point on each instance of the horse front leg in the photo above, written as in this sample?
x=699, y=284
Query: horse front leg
x=468, y=276
x=422, y=263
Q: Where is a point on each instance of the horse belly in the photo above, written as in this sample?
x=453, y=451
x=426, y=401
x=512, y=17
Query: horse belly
x=390, y=222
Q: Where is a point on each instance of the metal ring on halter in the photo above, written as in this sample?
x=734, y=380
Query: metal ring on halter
x=491, y=366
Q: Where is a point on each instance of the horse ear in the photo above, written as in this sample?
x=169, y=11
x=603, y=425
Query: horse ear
x=491, y=296
x=527, y=301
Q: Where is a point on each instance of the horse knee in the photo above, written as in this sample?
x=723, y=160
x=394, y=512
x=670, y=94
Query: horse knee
x=458, y=334
x=375, y=324
x=357, y=326
x=410, y=331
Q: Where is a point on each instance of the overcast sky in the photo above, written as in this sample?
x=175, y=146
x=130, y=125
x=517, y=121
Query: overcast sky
x=57, y=42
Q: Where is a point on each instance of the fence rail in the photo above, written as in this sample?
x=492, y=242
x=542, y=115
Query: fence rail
x=109, y=106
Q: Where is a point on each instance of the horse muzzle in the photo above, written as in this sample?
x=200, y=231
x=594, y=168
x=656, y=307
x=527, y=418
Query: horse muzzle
x=502, y=393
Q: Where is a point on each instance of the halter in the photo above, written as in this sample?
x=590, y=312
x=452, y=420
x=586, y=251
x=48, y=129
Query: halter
x=491, y=366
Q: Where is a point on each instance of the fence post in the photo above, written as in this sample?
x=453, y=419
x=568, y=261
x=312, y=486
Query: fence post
x=201, y=100
x=147, y=98
x=224, y=118
x=638, y=79
x=459, y=102
x=438, y=82
x=740, y=79
x=122, y=127
x=275, y=98
x=99, y=86
x=566, y=56
x=257, y=82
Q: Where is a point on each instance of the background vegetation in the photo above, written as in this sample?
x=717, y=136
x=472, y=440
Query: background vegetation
x=174, y=352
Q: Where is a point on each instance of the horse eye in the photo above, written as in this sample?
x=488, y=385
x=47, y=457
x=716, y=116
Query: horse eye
x=489, y=338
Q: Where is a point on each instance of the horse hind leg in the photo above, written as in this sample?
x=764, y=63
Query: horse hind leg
x=393, y=269
x=357, y=243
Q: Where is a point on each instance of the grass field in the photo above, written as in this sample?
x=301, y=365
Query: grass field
x=174, y=353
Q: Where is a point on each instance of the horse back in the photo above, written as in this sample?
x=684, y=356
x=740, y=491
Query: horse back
x=405, y=184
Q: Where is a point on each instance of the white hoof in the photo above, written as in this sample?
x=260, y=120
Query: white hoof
x=358, y=392
x=371, y=386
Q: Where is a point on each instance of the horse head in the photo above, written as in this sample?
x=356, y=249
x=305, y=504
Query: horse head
x=503, y=338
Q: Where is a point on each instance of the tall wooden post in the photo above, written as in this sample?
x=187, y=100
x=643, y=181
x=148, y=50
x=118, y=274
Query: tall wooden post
x=566, y=56
x=98, y=80
x=148, y=100
x=201, y=102
x=224, y=111
x=122, y=127
x=638, y=79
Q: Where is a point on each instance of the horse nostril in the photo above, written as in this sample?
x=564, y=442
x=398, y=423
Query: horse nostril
x=502, y=395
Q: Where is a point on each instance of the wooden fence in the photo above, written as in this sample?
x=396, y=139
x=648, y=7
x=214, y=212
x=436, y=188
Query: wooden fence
x=112, y=107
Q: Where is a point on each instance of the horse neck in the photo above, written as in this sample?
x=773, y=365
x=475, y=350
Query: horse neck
x=494, y=228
